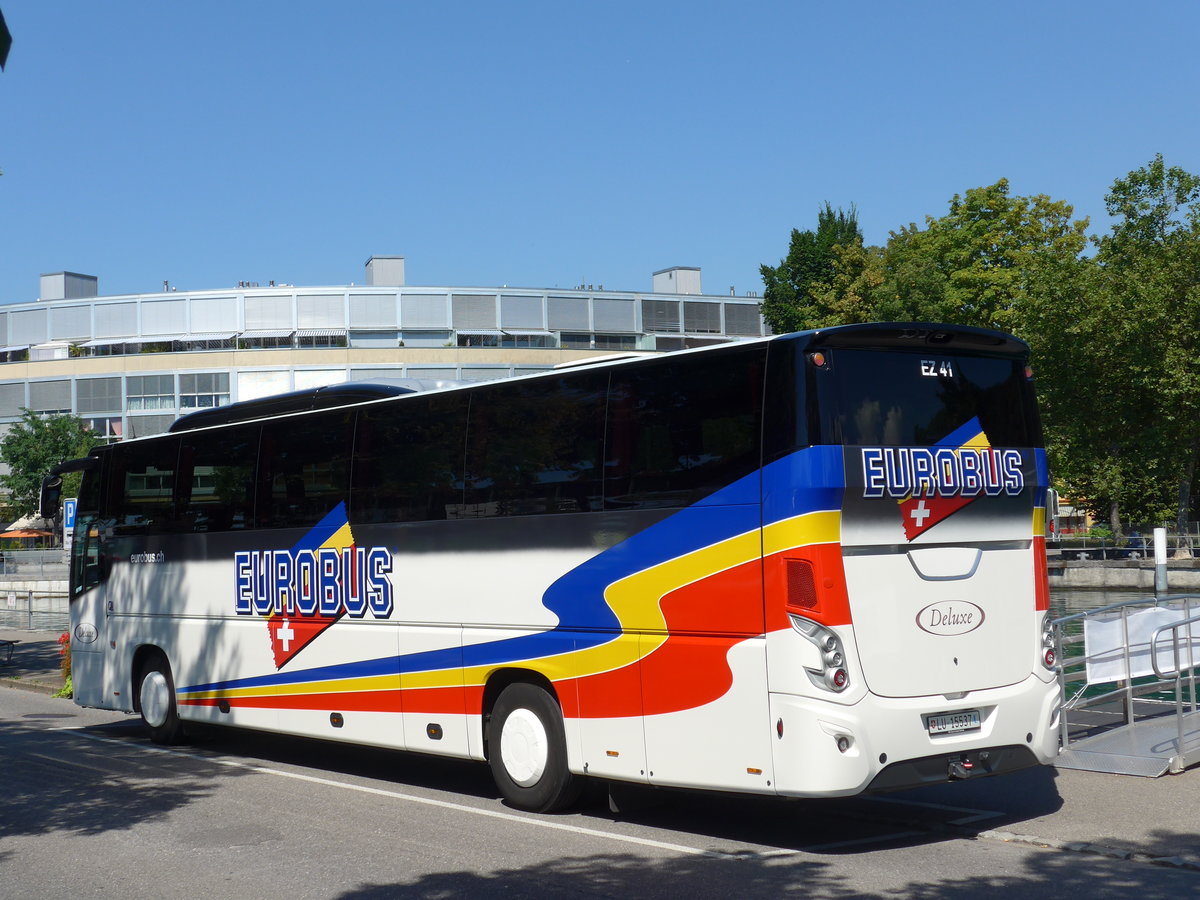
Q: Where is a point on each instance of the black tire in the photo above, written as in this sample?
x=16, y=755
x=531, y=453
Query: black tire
x=527, y=750
x=156, y=701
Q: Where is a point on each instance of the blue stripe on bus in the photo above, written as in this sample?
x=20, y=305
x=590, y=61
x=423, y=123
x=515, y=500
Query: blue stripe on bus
x=810, y=480
x=1043, y=476
x=335, y=520
x=962, y=434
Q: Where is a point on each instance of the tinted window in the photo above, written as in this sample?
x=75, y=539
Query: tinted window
x=536, y=447
x=217, y=479
x=884, y=398
x=683, y=428
x=141, y=485
x=90, y=491
x=85, y=550
x=304, y=470
x=409, y=459
x=786, y=427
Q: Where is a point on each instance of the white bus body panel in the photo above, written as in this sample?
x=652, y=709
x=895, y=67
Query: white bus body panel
x=920, y=634
x=690, y=748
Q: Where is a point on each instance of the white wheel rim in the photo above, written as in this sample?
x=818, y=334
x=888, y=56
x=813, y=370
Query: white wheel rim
x=156, y=699
x=524, y=747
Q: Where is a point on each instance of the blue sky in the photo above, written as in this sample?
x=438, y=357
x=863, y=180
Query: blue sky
x=548, y=144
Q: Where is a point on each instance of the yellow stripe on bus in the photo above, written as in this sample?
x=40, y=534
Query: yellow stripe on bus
x=823, y=527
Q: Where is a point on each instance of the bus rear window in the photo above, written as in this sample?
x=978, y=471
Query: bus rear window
x=910, y=399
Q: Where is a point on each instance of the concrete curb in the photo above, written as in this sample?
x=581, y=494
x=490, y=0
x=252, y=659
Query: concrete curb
x=35, y=687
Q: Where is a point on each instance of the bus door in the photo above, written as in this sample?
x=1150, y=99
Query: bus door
x=88, y=572
x=89, y=610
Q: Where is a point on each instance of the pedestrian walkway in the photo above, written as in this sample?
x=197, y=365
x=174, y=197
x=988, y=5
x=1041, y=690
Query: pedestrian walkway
x=35, y=661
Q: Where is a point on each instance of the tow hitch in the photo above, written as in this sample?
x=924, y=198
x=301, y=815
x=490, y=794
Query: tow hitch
x=963, y=767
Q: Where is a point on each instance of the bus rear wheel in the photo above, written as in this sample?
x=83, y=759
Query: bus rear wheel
x=156, y=701
x=527, y=751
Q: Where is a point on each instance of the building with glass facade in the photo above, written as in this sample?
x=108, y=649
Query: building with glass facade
x=131, y=364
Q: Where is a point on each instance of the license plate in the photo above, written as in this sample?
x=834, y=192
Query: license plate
x=949, y=723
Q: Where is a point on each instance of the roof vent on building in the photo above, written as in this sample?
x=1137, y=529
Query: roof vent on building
x=677, y=280
x=69, y=286
x=385, y=270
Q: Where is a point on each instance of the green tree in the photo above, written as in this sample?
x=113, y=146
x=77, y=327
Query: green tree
x=983, y=263
x=1151, y=263
x=32, y=446
x=788, y=303
x=1093, y=355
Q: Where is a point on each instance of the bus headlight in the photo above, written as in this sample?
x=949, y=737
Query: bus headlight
x=832, y=676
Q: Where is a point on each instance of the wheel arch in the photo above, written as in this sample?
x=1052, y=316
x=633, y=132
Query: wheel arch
x=141, y=656
x=502, y=678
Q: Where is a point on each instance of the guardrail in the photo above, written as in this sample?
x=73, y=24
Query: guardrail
x=32, y=565
x=35, y=610
x=1115, y=656
x=1134, y=546
x=1180, y=664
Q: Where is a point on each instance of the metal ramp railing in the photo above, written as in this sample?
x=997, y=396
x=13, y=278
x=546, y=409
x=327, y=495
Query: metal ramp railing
x=1128, y=676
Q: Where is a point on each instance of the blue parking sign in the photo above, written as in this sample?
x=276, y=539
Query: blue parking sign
x=69, y=513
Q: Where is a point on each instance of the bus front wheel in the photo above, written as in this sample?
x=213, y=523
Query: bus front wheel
x=156, y=701
x=527, y=750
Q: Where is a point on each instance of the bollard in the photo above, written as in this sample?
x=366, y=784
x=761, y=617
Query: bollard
x=1160, y=560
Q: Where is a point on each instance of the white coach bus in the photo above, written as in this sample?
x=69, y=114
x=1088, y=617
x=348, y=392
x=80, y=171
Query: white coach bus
x=808, y=565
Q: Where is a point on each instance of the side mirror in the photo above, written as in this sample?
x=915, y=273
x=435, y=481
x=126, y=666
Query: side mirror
x=51, y=496
x=52, y=485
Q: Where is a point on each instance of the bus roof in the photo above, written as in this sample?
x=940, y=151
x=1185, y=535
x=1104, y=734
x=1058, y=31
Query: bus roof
x=324, y=397
x=914, y=335
x=872, y=335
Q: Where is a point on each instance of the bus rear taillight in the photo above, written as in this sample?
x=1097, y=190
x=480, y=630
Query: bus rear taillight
x=1049, y=653
x=832, y=675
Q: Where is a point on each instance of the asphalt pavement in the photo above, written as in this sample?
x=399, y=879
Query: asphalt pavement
x=36, y=661
x=1117, y=816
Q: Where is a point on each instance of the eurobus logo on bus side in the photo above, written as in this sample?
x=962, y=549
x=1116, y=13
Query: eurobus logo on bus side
x=302, y=591
x=324, y=582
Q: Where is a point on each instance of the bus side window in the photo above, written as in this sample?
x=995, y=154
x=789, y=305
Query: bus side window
x=408, y=459
x=536, y=448
x=216, y=473
x=141, y=486
x=304, y=469
x=679, y=431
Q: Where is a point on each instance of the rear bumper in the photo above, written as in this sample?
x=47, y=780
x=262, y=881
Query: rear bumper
x=882, y=743
x=952, y=767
